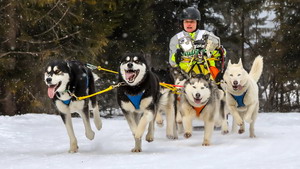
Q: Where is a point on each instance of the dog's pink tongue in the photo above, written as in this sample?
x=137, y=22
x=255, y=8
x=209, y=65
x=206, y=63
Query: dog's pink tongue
x=51, y=91
x=129, y=75
x=197, y=101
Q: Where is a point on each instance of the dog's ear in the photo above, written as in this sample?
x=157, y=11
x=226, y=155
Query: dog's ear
x=229, y=63
x=142, y=52
x=178, y=73
x=187, y=81
x=193, y=74
x=240, y=62
x=184, y=74
x=207, y=76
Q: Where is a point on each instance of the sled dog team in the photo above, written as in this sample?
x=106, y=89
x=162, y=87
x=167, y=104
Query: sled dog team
x=142, y=99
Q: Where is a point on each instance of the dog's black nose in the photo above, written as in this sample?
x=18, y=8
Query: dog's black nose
x=235, y=83
x=48, y=80
x=198, y=95
x=129, y=65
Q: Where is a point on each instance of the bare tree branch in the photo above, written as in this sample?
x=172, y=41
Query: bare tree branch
x=47, y=14
x=55, y=23
x=3, y=8
x=50, y=41
x=19, y=52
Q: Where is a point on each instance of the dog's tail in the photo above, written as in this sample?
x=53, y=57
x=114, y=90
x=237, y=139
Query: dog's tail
x=257, y=68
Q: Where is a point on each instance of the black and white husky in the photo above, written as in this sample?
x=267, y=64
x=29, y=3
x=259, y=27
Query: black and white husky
x=63, y=79
x=201, y=99
x=138, y=97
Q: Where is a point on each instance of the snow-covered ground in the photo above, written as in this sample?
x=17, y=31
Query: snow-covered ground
x=39, y=141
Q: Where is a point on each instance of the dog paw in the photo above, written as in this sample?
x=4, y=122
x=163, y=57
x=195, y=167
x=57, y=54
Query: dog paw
x=90, y=135
x=171, y=137
x=252, y=135
x=98, y=124
x=136, y=150
x=73, y=149
x=224, y=132
x=149, y=139
x=241, y=131
x=187, y=135
x=206, y=143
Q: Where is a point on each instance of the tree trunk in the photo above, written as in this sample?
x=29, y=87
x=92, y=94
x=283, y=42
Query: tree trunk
x=9, y=106
x=8, y=100
x=12, y=29
x=243, y=37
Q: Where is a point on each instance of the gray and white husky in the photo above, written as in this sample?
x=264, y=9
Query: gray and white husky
x=242, y=92
x=201, y=99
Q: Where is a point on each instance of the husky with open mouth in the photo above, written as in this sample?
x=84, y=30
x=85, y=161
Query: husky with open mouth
x=138, y=96
x=242, y=93
x=201, y=99
x=65, y=78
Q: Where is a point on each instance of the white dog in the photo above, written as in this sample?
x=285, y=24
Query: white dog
x=242, y=92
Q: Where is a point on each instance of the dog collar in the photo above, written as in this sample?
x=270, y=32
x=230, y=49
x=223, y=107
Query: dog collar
x=240, y=99
x=135, y=99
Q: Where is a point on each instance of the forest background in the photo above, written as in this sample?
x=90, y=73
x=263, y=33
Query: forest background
x=98, y=32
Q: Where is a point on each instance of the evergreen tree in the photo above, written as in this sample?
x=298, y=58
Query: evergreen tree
x=283, y=57
x=34, y=32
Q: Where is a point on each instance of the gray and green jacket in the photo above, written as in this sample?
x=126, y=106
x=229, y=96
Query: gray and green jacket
x=185, y=64
x=197, y=35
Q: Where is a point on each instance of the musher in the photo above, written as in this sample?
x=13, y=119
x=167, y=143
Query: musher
x=190, y=19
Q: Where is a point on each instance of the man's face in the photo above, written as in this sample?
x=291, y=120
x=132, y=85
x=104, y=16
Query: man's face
x=189, y=25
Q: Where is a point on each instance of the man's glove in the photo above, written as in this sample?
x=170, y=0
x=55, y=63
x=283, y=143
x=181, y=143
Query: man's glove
x=219, y=77
x=178, y=55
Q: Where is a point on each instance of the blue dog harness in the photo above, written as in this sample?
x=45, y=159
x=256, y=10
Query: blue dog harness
x=240, y=99
x=66, y=102
x=136, y=99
